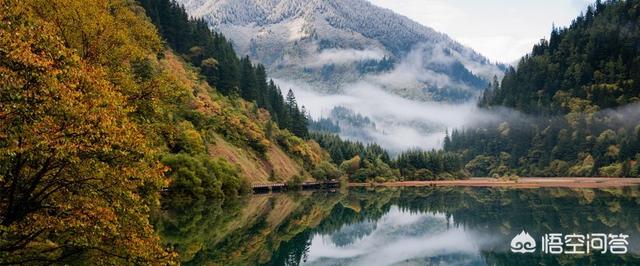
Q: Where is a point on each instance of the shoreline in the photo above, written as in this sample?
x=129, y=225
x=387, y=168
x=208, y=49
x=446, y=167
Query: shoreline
x=528, y=182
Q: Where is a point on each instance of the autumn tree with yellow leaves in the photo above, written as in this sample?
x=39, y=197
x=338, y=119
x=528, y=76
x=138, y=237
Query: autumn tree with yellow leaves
x=77, y=175
x=97, y=117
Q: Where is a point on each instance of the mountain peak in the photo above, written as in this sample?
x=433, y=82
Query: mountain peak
x=260, y=12
x=330, y=43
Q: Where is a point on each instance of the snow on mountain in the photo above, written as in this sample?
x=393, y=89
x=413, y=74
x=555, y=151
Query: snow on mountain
x=334, y=43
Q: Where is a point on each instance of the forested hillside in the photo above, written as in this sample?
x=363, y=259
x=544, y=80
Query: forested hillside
x=331, y=44
x=580, y=90
x=593, y=64
x=370, y=162
x=217, y=61
x=98, y=116
x=220, y=65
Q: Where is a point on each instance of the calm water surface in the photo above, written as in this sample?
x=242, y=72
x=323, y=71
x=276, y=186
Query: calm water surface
x=403, y=226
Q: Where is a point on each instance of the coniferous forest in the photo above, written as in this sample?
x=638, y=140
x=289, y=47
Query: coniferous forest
x=111, y=109
x=114, y=111
x=99, y=115
x=213, y=54
x=579, y=93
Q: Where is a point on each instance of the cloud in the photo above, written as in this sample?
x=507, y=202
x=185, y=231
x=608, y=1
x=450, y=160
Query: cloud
x=344, y=56
x=511, y=48
x=401, y=124
x=394, y=240
x=412, y=73
x=581, y=3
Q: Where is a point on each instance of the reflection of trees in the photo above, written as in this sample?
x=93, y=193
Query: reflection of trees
x=536, y=210
x=277, y=230
x=539, y=211
x=508, y=211
x=351, y=233
x=294, y=251
x=186, y=228
x=248, y=231
x=507, y=258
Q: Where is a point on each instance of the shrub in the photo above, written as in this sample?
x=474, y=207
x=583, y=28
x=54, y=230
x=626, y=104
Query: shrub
x=584, y=167
x=611, y=170
x=295, y=182
x=326, y=171
x=351, y=166
x=201, y=177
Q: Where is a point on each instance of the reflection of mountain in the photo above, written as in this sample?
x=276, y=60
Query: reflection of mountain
x=423, y=226
x=398, y=236
x=337, y=42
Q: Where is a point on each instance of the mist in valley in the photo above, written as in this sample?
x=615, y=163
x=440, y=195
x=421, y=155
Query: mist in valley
x=400, y=123
x=402, y=103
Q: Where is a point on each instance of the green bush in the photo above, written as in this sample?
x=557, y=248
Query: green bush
x=558, y=168
x=635, y=169
x=189, y=139
x=201, y=177
x=372, y=169
x=611, y=170
x=480, y=166
x=423, y=174
x=583, y=167
x=326, y=171
x=351, y=166
x=295, y=182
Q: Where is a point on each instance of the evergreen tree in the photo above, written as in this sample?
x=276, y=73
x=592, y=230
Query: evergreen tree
x=594, y=60
x=248, y=88
x=218, y=62
x=568, y=81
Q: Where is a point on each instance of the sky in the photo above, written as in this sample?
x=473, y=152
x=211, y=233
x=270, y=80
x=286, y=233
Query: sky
x=501, y=30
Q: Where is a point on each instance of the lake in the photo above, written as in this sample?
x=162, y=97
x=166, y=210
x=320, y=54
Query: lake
x=409, y=226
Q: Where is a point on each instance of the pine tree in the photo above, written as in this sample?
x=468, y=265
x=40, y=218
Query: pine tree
x=291, y=102
x=262, y=89
x=303, y=124
x=247, y=80
x=447, y=141
x=219, y=64
x=296, y=120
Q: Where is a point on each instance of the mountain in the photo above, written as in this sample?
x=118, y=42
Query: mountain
x=331, y=44
x=579, y=91
x=99, y=116
x=593, y=64
x=110, y=108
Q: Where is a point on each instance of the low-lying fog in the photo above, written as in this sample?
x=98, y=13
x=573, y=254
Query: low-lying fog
x=401, y=124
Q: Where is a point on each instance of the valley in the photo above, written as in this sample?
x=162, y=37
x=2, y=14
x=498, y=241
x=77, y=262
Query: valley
x=136, y=133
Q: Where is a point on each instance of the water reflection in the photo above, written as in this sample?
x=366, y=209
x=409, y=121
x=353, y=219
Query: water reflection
x=409, y=226
x=398, y=236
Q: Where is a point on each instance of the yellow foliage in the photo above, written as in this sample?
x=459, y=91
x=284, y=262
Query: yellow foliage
x=78, y=161
x=584, y=167
x=611, y=170
x=86, y=106
x=299, y=148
